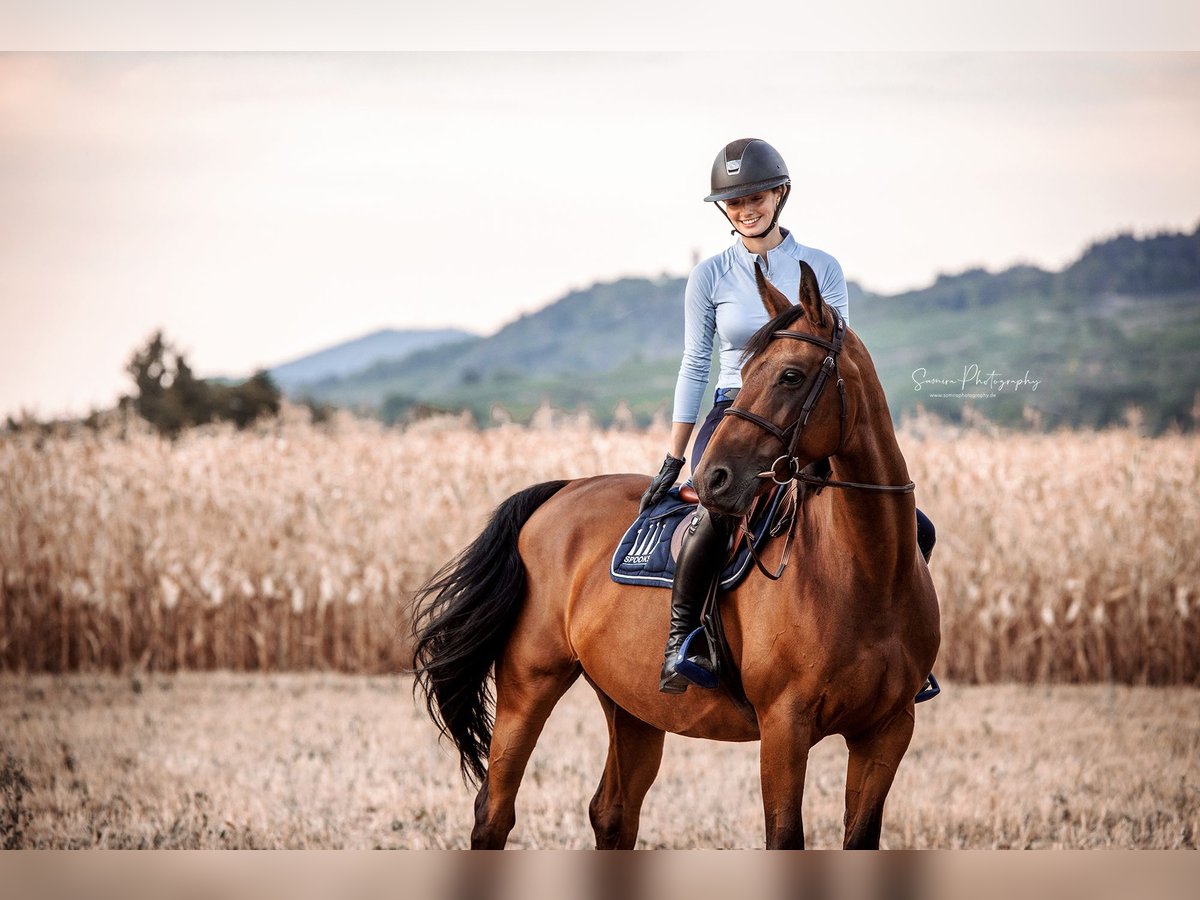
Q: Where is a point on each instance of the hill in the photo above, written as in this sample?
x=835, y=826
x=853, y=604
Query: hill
x=632, y=326
x=354, y=356
x=1118, y=327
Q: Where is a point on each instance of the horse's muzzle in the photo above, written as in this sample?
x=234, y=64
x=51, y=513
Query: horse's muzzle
x=723, y=490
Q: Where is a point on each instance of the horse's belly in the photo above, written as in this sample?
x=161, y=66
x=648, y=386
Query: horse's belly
x=698, y=713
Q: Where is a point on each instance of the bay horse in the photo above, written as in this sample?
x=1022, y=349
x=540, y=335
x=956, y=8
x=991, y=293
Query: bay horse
x=839, y=644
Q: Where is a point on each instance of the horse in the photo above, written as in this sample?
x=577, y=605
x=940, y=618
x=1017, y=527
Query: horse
x=838, y=644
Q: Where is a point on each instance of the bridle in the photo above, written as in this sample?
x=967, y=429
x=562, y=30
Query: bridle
x=790, y=435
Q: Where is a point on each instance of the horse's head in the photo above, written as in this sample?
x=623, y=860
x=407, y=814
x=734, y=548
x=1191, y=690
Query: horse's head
x=790, y=409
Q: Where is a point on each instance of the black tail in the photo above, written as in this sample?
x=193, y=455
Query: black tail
x=462, y=620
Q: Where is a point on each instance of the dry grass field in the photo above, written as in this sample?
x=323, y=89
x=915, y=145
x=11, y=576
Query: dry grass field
x=1064, y=557
x=310, y=760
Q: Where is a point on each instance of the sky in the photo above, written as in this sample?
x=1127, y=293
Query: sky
x=261, y=206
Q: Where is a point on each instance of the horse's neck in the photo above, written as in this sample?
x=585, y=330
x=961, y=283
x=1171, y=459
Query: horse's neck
x=882, y=523
x=871, y=455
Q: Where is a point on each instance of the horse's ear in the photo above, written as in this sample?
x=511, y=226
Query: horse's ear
x=810, y=295
x=773, y=298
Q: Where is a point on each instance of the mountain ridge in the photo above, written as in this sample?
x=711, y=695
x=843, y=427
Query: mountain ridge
x=1124, y=296
x=356, y=354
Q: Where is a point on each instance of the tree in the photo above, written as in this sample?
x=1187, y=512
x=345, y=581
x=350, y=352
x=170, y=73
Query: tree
x=155, y=402
x=170, y=397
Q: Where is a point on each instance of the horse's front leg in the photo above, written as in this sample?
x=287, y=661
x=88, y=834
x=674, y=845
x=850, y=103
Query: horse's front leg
x=783, y=761
x=874, y=757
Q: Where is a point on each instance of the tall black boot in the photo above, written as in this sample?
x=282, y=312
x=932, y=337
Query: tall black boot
x=701, y=559
x=926, y=535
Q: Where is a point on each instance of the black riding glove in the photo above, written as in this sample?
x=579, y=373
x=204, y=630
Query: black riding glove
x=663, y=481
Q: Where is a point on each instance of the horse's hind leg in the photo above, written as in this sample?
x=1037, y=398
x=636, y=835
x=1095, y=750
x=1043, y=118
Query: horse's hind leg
x=634, y=753
x=525, y=696
x=874, y=757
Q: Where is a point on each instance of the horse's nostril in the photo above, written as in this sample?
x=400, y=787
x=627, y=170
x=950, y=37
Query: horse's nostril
x=718, y=477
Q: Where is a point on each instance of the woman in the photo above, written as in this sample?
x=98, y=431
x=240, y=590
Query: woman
x=721, y=299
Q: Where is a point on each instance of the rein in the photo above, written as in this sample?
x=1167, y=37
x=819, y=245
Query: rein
x=744, y=532
x=790, y=438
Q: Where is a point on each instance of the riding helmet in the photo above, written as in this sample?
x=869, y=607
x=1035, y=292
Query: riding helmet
x=746, y=166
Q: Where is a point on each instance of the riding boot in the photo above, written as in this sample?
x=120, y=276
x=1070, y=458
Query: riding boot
x=700, y=561
x=926, y=535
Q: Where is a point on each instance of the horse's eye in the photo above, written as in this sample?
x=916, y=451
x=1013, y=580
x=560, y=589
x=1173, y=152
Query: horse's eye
x=791, y=376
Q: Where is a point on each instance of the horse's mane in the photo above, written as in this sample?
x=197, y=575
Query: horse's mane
x=760, y=339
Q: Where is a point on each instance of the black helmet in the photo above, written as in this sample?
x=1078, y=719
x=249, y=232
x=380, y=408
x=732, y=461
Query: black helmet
x=746, y=167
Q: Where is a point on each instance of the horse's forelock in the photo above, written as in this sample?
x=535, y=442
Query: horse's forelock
x=762, y=338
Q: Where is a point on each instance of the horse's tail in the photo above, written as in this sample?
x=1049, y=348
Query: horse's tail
x=462, y=620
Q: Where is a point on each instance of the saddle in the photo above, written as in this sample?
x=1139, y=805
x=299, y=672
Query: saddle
x=647, y=553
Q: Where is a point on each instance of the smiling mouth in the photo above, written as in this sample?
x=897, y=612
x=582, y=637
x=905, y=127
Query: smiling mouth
x=750, y=223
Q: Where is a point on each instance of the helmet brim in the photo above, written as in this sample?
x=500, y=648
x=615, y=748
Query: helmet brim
x=745, y=190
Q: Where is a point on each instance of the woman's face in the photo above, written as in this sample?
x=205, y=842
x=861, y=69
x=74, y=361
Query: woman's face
x=752, y=213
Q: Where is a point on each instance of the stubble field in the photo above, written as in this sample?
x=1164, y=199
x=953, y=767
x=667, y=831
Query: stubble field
x=333, y=761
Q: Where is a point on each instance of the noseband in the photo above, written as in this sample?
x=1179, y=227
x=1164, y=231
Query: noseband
x=790, y=436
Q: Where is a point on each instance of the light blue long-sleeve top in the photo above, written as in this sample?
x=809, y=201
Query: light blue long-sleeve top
x=722, y=299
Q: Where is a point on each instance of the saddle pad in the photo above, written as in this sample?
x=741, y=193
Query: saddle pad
x=644, y=555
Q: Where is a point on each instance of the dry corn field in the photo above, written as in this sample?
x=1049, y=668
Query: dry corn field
x=1066, y=557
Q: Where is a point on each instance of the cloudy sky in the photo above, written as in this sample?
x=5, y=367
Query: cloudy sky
x=261, y=206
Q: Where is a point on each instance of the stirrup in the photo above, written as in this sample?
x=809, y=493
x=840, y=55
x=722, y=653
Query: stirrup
x=696, y=674
x=930, y=690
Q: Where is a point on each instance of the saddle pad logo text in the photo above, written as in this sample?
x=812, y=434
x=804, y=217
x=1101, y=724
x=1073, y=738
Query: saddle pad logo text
x=643, y=546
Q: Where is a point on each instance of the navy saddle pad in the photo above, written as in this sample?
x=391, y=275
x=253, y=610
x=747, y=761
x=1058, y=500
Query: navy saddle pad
x=644, y=556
